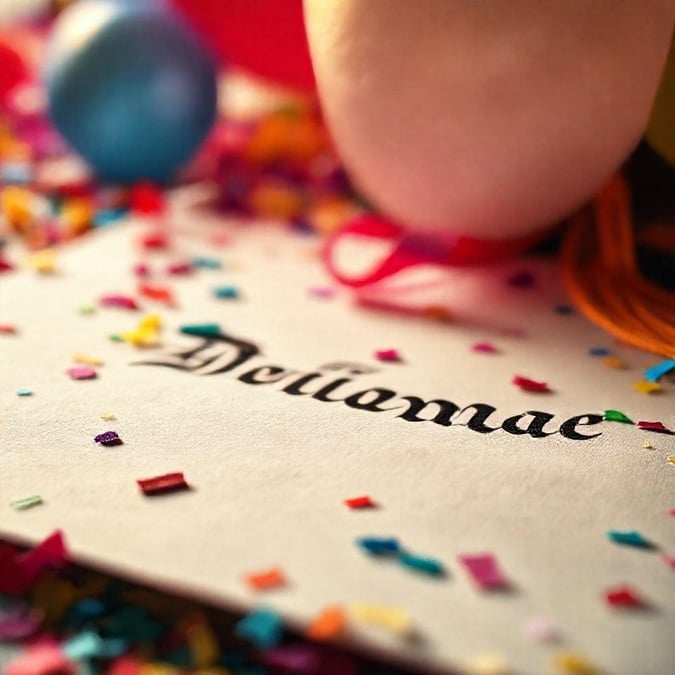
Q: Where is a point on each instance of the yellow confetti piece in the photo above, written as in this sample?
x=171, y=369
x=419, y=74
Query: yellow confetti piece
x=146, y=334
x=487, y=664
x=614, y=362
x=43, y=262
x=395, y=619
x=108, y=416
x=645, y=387
x=202, y=642
x=16, y=205
x=647, y=445
x=671, y=459
x=87, y=360
x=570, y=663
x=77, y=215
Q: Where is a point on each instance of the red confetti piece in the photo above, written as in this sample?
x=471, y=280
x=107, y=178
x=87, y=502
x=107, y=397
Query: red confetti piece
x=156, y=240
x=364, y=502
x=526, y=384
x=669, y=560
x=485, y=571
x=158, y=293
x=624, y=596
x=654, y=426
x=82, y=373
x=387, y=355
x=117, y=300
x=180, y=268
x=169, y=482
x=5, y=265
x=146, y=198
x=672, y=512
x=267, y=580
x=484, y=348
x=7, y=329
x=142, y=270
x=40, y=659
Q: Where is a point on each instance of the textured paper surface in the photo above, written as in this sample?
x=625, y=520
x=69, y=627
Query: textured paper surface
x=270, y=470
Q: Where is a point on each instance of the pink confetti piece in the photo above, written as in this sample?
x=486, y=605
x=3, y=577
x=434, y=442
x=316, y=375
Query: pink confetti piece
x=387, y=355
x=220, y=239
x=539, y=628
x=669, y=560
x=142, y=270
x=323, y=292
x=484, y=569
x=653, y=426
x=7, y=329
x=671, y=512
x=18, y=624
x=119, y=301
x=526, y=384
x=624, y=597
x=484, y=348
x=180, y=268
x=40, y=659
x=297, y=659
x=82, y=373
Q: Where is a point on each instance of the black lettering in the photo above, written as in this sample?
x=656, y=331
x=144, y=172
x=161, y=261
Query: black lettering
x=295, y=388
x=371, y=403
x=535, y=427
x=477, y=420
x=446, y=409
x=265, y=375
x=568, y=429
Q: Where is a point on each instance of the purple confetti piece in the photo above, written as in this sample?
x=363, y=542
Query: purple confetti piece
x=108, y=439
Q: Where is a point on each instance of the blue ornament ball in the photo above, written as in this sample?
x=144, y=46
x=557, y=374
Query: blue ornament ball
x=129, y=87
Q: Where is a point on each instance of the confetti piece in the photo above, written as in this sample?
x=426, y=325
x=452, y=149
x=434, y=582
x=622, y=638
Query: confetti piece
x=671, y=512
x=485, y=571
x=645, y=387
x=266, y=580
x=617, y=416
x=484, y=348
x=24, y=391
x=18, y=624
x=669, y=560
x=7, y=329
x=87, y=360
x=226, y=293
x=629, y=538
x=25, y=502
x=169, y=482
x=204, y=262
x=671, y=459
x=564, y=310
x=394, y=619
x=423, y=564
x=146, y=198
x=108, y=416
x=141, y=270
x=147, y=332
x=569, y=663
x=180, y=268
x=82, y=373
x=364, y=502
x=624, y=597
x=437, y=313
x=155, y=240
x=299, y=659
x=87, y=309
x=5, y=265
x=158, y=293
x=379, y=545
x=322, y=292
x=87, y=645
x=540, y=629
x=523, y=279
x=329, y=623
x=655, y=373
x=202, y=642
x=200, y=329
x=119, y=301
x=263, y=627
x=486, y=664
x=647, y=445
x=659, y=427
x=599, y=351
x=108, y=439
x=40, y=659
x=614, y=362
x=387, y=355
x=43, y=262
x=526, y=384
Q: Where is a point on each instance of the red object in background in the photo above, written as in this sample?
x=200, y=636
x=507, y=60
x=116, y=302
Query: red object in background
x=266, y=37
x=12, y=67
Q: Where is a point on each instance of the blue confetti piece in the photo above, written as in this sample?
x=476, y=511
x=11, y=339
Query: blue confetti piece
x=84, y=646
x=655, y=373
x=207, y=263
x=379, y=545
x=599, y=351
x=106, y=217
x=24, y=391
x=263, y=627
x=226, y=292
x=629, y=538
x=423, y=564
x=200, y=329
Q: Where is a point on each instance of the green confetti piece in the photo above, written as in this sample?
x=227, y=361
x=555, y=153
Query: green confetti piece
x=200, y=329
x=617, y=416
x=87, y=309
x=423, y=564
x=116, y=338
x=629, y=538
x=24, y=391
x=26, y=502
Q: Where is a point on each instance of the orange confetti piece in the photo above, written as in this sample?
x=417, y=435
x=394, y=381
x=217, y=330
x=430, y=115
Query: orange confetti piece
x=614, y=362
x=329, y=623
x=645, y=387
x=267, y=580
